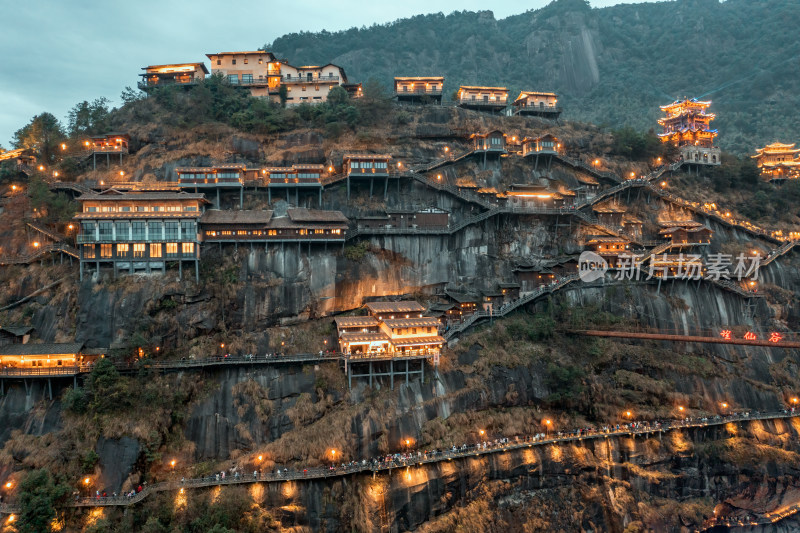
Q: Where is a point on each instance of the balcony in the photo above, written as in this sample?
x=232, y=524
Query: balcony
x=108, y=239
x=484, y=103
x=210, y=181
x=306, y=79
x=293, y=182
x=149, y=83
x=419, y=92
x=532, y=109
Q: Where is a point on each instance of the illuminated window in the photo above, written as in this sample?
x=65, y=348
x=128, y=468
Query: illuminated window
x=105, y=251
x=138, y=250
x=260, y=61
x=245, y=60
x=88, y=251
x=122, y=249
x=155, y=250
x=172, y=248
x=187, y=248
x=272, y=232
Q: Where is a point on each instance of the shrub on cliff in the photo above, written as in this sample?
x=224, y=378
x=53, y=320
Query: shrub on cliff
x=37, y=498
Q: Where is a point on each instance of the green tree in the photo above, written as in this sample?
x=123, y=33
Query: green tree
x=130, y=95
x=89, y=118
x=43, y=134
x=38, y=495
x=106, y=388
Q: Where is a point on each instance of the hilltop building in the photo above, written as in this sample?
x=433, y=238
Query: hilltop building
x=418, y=89
x=538, y=104
x=481, y=98
x=778, y=161
x=264, y=75
x=688, y=126
x=172, y=74
x=139, y=231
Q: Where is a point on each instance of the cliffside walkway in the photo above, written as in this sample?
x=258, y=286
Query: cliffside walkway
x=40, y=252
x=418, y=458
x=511, y=306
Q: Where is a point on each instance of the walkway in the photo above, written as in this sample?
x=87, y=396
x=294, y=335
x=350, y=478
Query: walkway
x=419, y=458
x=63, y=248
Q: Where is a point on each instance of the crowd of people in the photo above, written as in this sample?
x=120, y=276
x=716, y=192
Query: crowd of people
x=410, y=457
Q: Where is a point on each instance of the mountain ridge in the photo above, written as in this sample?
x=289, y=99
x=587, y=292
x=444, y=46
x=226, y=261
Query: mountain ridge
x=612, y=65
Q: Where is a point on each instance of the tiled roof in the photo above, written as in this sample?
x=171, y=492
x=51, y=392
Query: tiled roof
x=215, y=216
x=355, y=321
x=359, y=337
x=411, y=322
x=417, y=78
x=60, y=348
x=301, y=214
x=17, y=331
x=419, y=341
x=113, y=195
x=405, y=306
x=345, y=157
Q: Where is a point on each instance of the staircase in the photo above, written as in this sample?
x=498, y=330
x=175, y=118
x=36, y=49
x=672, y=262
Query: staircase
x=575, y=163
x=38, y=253
x=511, y=306
x=779, y=251
x=734, y=287
x=52, y=235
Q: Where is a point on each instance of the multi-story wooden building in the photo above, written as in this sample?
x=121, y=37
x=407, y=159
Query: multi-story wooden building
x=300, y=225
x=688, y=126
x=213, y=180
x=305, y=179
x=142, y=231
x=418, y=89
x=492, y=99
x=778, y=161
x=538, y=104
x=490, y=142
x=107, y=145
x=172, y=74
x=396, y=329
x=610, y=248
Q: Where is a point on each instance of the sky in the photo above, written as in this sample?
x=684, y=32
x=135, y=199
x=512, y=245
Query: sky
x=61, y=52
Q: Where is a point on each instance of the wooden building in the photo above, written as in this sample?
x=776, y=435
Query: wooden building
x=778, y=161
x=392, y=310
x=539, y=104
x=40, y=356
x=632, y=225
x=108, y=144
x=687, y=125
x=526, y=196
x=173, y=74
x=467, y=303
x=492, y=142
x=300, y=179
x=510, y=291
x=609, y=248
x=300, y=225
x=213, y=179
x=22, y=158
x=609, y=214
x=140, y=231
x=311, y=84
x=10, y=334
x=589, y=187
x=686, y=233
x=684, y=266
x=494, y=99
x=419, y=89
x=367, y=167
x=547, y=144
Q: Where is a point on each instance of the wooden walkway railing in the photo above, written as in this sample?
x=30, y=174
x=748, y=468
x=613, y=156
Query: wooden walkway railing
x=419, y=458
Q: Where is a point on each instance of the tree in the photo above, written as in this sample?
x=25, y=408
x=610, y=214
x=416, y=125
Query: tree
x=130, y=95
x=43, y=135
x=37, y=498
x=89, y=118
x=106, y=388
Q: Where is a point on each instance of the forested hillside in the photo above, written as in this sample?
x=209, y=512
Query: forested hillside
x=611, y=66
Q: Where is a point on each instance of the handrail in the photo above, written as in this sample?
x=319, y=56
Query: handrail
x=419, y=458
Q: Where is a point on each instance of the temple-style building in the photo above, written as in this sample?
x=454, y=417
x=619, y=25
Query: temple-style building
x=609, y=248
x=539, y=104
x=541, y=149
x=41, y=356
x=528, y=196
x=482, y=98
x=609, y=214
x=688, y=126
x=213, y=180
x=172, y=74
x=139, y=232
x=685, y=233
x=418, y=89
x=778, y=161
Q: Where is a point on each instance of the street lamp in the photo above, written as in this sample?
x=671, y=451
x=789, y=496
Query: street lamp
x=35, y=244
x=9, y=485
x=795, y=401
x=260, y=458
x=547, y=424
x=172, y=464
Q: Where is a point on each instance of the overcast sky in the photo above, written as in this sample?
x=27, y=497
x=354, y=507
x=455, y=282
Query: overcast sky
x=60, y=52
